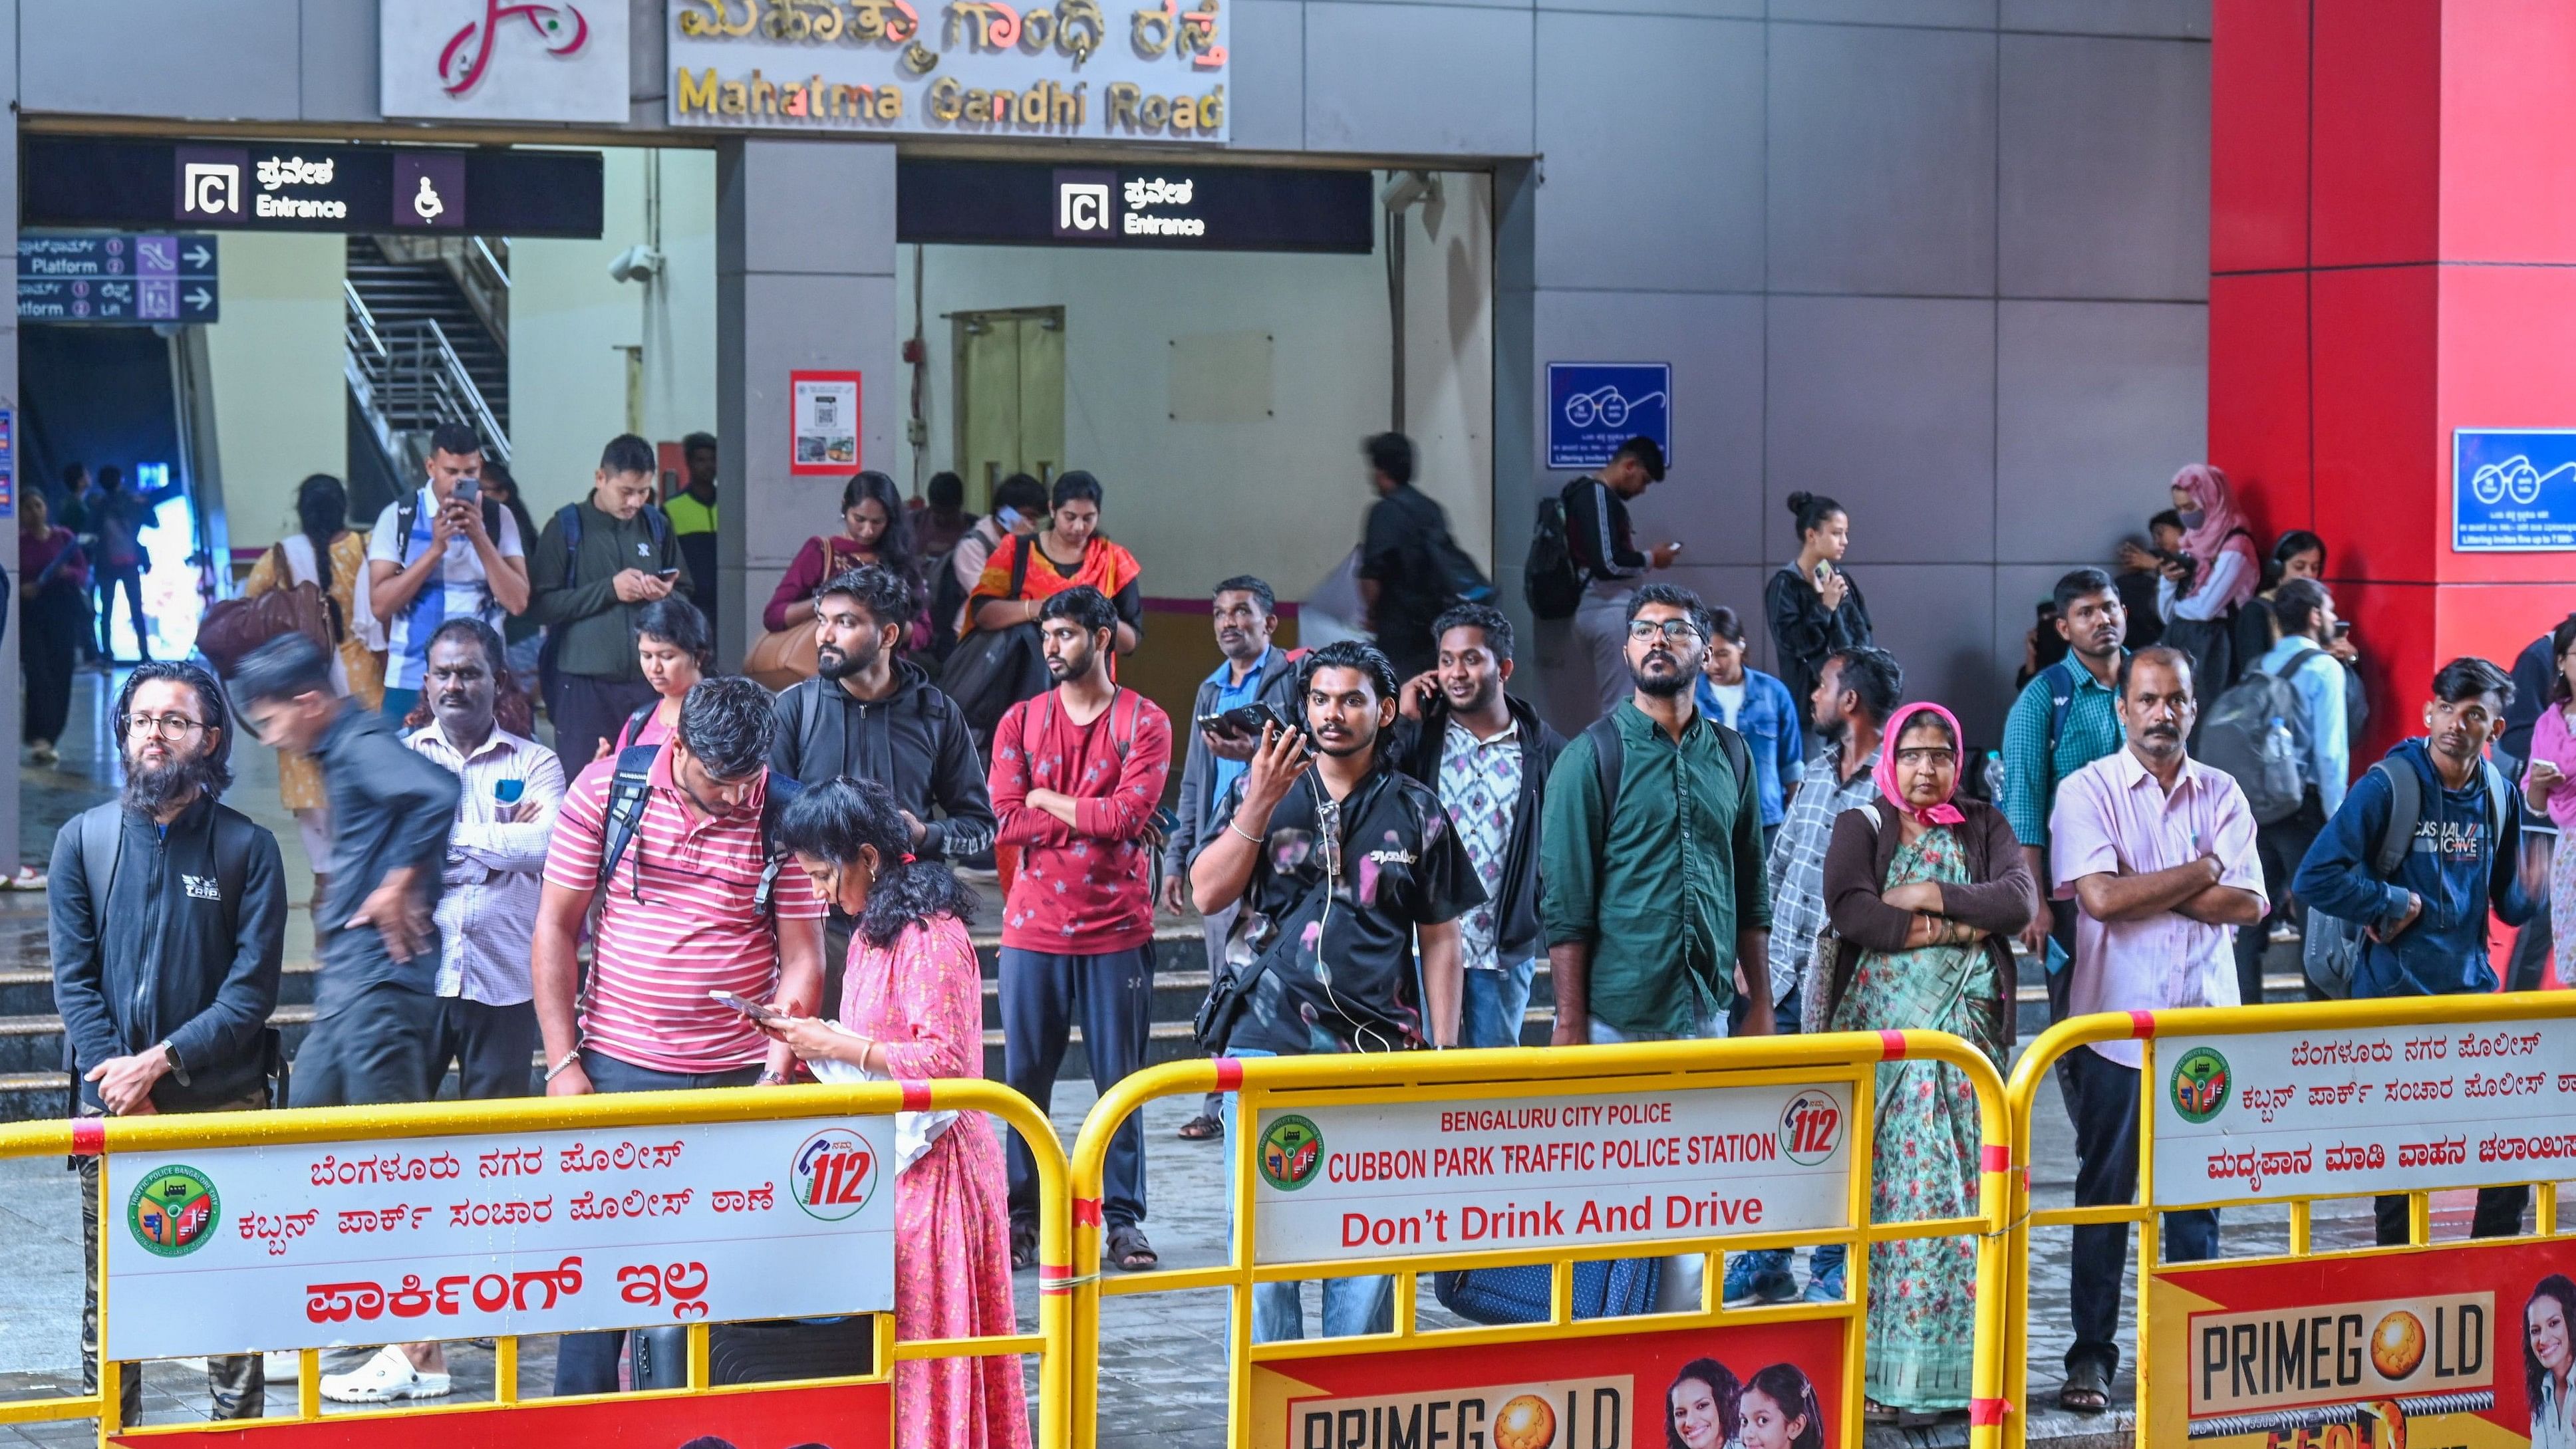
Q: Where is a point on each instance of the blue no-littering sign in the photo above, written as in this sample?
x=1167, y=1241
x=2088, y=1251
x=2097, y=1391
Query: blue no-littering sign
x=1593, y=407
x=2513, y=490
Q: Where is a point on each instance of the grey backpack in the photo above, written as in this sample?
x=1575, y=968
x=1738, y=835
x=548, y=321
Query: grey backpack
x=2330, y=946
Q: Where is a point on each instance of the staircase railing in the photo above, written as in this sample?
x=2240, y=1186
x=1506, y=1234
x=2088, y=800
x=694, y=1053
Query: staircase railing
x=479, y=266
x=408, y=380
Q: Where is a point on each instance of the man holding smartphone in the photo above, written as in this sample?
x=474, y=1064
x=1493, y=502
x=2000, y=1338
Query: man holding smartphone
x=598, y=563
x=449, y=530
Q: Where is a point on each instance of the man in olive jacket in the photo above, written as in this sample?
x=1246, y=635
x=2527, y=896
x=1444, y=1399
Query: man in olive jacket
x=596, y=566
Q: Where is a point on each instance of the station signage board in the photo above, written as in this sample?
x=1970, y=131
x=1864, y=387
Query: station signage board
x=142, y=185
x=479, y=60
x=2513, y=490
x=118, y=277
x=1189, y=208
x=1071, y=69
x=1593, y=407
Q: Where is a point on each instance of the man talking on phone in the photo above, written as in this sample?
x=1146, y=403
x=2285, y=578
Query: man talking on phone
x=598, y=563
x=446, y=530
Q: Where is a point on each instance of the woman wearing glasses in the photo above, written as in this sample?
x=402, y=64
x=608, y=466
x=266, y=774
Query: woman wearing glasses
x=1925, y=890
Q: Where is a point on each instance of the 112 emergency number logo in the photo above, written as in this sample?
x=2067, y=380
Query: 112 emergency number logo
x=834, y=1174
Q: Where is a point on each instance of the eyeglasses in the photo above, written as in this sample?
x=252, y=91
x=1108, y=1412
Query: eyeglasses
x=168, y=726
x=1674, y=631
x=1933, y=755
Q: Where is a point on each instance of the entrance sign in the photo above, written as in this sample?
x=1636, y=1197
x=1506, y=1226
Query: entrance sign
x=155, y=186
x=2513, y=490
x=823, y=422
x=1190, y=208
x=225, y=1249
x=1394, y=1179
x=1593, y=407
x=2372, y=1109
x=118, y=277
x=1074, y=68
x=2425, y=1348
x=503, y=60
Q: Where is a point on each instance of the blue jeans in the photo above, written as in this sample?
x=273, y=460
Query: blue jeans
x=586, y=1363
x=1493, y=1004
x=1351, y=1305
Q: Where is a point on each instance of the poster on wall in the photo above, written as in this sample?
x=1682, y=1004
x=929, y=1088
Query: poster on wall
x=1695, y=1388
x=1593, y=407
x=1071, y=69
x=823, y=423
x=2462, y=1345
x=2513, y=490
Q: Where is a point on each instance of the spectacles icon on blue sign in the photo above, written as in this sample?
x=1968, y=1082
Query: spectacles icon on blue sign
x=2515, y=476
x=1605, y=405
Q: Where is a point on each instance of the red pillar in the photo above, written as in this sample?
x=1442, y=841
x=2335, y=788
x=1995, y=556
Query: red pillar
x=2393, y=255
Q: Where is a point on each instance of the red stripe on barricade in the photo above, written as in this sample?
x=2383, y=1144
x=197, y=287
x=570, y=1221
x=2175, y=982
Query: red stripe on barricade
x=89, y=1136
x=1229, y=1073
x=1992, y=1158
x=2142, y=1023
x=1891, y=1045
x=1982, y=1412
x=1055, y=1270
x=916, y=1096
x=1086, y=1211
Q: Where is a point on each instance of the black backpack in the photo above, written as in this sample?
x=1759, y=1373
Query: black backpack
x=1550, y=578
x=632, y=785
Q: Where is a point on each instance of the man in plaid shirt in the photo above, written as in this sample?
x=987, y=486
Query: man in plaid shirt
x=1856, y=690
x=2066, y=718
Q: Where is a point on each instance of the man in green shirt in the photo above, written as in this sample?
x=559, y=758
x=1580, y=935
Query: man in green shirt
x=1653, y=895
x=693, y=521
x=596, y=566
x=2066, y=718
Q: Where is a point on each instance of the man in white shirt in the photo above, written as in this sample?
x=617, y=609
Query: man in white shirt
x=447, y=529
x=496, y=857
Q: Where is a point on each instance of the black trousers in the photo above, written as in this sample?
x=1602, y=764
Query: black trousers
x=586, y=710
x=2102, y=1101
x=2280, y=846
x=2499, y=1214
x=51, y=629
x=1114, y=996
x=494, y=1048
x=375, y=1046
x=131, y=579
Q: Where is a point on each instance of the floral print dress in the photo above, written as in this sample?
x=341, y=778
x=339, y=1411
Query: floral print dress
x=922, y=998
x=1922, y=1291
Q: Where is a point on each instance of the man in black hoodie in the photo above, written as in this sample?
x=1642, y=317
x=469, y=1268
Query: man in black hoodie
x=167, y=918
x=1488, y=756
x=870, y=715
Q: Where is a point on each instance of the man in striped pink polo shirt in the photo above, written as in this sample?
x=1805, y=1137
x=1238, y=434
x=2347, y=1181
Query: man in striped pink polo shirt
x=681, y=914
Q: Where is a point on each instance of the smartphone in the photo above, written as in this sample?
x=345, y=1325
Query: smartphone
x=1824, y=571
x=752, y=1009
x=1008, y=518
x=467, y=490
x=1165, y=821
x=668, y=575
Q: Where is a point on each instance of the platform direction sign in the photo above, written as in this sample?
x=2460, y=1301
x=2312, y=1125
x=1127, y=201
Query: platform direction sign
x=137, y=279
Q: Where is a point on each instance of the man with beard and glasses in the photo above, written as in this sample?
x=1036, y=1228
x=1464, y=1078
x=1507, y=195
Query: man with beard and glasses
x=376, y=1009
x=486, y=917
x=1077, y=776
x=167, y=919
x=2064, y=719
x=694, y=898
x=2157, y=851
x=1651, y=855
x=1486, y=754
x=1348, y=874
x=1246, y=614
x=870, y=714
x=1857, y=690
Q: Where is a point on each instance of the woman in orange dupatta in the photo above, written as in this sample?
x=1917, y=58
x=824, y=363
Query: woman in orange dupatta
x=1067, y=553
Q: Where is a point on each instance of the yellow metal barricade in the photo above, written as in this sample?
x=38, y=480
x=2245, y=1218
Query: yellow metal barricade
x=1305, y=1089
x=164, y=1135
x=2424, y=1057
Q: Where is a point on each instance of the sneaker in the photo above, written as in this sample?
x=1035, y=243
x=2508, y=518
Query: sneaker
x=1759, y=1277
x=1827, y=1286
x=383, y=1379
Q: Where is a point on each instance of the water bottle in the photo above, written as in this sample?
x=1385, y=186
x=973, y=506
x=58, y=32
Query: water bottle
x=1994, y=776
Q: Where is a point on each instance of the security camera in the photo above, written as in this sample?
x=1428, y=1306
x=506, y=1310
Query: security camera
x=635, y=264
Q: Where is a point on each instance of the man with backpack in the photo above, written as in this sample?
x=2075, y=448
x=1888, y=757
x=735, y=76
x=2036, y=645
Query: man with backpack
x=1077, y=777
x=1402, y=578
x=1650, y=860
x=167, y=918
x=1604, y=550
x=674, y=842
x=2287, y=708
x=444, y=551
x=598, y=563
x=2427, y=842
x=870, y=714
x=2065, y=718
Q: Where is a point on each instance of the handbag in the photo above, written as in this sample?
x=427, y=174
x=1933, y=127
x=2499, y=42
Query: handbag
x=232, y=628
x=785, y=657
x=1603, y=1288
x=992, y=669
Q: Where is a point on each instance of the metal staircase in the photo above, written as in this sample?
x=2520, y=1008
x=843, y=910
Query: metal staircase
x=427, y=332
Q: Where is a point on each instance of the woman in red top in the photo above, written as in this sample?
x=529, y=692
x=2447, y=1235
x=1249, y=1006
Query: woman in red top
x=876, y=528
x=55, y=612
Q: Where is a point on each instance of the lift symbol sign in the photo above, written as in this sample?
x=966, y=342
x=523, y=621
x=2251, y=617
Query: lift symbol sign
x=1593, y=407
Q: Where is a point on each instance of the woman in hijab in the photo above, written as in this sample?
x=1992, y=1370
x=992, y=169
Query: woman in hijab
x=2202, y=590
x=1924, y=890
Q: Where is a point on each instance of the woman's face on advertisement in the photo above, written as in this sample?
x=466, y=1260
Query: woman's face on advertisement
x=2547, y=1321
x=1695, y=1420
x=1765, y=1424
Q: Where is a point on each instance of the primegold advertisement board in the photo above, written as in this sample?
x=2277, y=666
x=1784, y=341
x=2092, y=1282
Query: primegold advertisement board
x=1697, y=1388
x=2458, y=1347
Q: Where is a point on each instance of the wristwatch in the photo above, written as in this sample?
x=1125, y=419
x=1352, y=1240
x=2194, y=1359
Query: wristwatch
x=178, y=1072
x=771, y=1079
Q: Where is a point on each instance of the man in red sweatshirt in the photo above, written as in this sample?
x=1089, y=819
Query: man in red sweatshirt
x=1077, y=774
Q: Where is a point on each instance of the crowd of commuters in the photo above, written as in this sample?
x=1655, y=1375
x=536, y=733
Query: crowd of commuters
x=1381, y=841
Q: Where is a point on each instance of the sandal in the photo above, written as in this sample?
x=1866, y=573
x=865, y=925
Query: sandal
x=1024, y=1244
x=1129, y=1250
x=1202, y=1128
x=2087, y=1390
x=1872, y=1411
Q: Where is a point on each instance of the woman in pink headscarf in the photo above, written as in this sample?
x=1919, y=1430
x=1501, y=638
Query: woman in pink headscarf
x=1925, y=891
x=2201, y=591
